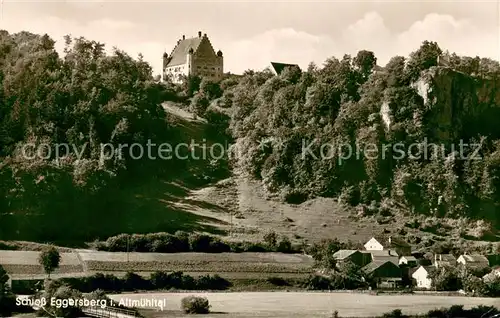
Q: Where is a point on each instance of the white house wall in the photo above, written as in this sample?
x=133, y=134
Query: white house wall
x=373, y=245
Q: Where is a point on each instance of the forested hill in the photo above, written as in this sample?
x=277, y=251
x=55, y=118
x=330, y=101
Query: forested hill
x=83, y=99
x=86, y=98
x=412, y=106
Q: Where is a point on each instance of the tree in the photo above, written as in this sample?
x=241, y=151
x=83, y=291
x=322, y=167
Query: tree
x=4, y=278
x=49, y=258
x=7, y=298
x=365, y=61
x=445, y=279
x=58, y=291
x=395, y=69
x=199, y=104
x=271, y=239
x=425, y=57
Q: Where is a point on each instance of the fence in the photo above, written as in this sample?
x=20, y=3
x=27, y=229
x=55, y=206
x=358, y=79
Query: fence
x=109, y=312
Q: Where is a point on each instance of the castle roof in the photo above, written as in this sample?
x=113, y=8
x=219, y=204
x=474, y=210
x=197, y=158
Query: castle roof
x=279, y=67
x=181, y=50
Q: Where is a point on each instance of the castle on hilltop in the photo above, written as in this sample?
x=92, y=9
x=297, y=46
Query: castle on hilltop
x=193, y=56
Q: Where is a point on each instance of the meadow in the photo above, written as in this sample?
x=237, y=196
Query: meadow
x=312, y=304
x=24, y=264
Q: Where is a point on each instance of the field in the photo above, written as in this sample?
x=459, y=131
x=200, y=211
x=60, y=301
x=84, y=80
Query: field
x=302, y=304
x=22, y=264
x=26, y=263
x=199, y=262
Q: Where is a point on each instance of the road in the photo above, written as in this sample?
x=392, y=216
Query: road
x=312, y=304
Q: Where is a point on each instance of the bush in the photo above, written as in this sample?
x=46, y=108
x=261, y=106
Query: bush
x=8, y=305
x=459, y=311
x=285, y=246
x=396, y=313
x=317, y=282
x=157, y=280
x=215, y=282
x=271, y=239
x=183, y=242
x=132, y=281
x=278, y=281
x=195, y=305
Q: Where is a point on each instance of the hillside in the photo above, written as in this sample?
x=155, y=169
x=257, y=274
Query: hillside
x=98, y=103
x=241, y=209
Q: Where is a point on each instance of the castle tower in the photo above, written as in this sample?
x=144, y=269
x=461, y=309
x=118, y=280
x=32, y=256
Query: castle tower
x=220, y=59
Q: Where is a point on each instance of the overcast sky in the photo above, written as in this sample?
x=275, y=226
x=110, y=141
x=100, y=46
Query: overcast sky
x=251, y=34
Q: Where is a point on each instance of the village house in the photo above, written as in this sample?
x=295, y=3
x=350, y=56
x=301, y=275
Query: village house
x=383, y=274
x=444, y=260
x=380, y=243
x=410, y=261
x=353, y=256
x=421, y=277
x=494, y=274
x=193, y=57
x=280, y=67
x=473, y=261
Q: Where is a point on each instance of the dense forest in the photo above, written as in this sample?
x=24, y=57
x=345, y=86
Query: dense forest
x=432, y=98
x=86, y=98
x=83, y=99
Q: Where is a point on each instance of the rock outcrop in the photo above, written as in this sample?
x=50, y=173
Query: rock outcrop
x=458, y=106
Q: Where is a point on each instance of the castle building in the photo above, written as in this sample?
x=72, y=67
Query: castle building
x=195, y=57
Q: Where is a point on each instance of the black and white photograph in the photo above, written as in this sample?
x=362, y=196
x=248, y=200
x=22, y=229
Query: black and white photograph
x=250, y=159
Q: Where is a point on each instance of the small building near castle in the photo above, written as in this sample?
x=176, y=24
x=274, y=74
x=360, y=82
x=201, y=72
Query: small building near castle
x=193, y=57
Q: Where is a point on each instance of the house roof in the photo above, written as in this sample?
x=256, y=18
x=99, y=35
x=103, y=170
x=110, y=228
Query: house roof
x=410, y=258
x=382, y=253
x=445, y=258
x=390, y=241
x=343, y=254
x=180, y=51
x=373, y=266
x=392, y=259
x=279, y=67
x=475, y=258
x=491, y=276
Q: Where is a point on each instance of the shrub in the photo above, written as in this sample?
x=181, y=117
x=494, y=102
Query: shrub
x=396, y=313
x=284, y=246
x=207, y=244
x=195, y=305
x=271, y=239
x=132, y=281
x=159, y=280
x=317, y=282
x=278, y=281
x=207, y=282
x=117, y=243
x=184, y=242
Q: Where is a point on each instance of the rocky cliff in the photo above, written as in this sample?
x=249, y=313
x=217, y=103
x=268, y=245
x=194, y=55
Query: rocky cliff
x=459, y=106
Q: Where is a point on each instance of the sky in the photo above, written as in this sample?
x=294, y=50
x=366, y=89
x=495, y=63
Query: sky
x=252, y=34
